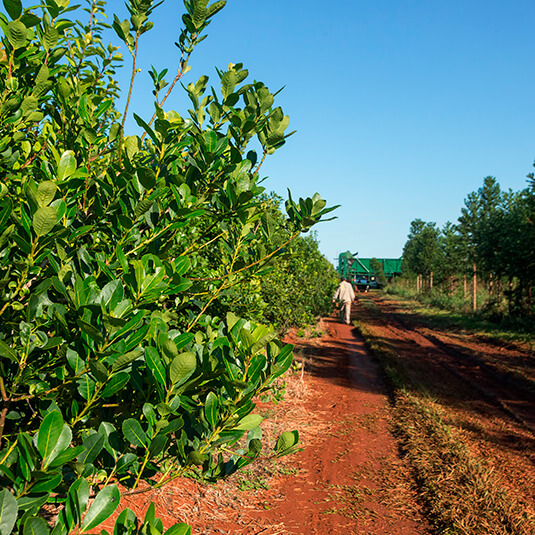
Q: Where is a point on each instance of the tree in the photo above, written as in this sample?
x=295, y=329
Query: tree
x=377, y=267
x=421, y=253
x=115, y=252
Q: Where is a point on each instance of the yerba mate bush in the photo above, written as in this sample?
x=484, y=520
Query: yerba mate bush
x=114, y=249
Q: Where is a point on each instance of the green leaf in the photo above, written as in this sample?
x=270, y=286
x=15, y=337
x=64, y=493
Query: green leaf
x=48, y=435
x=77, y=500
x=183, y=340
x=179, y=529
x=126, y=359
x=116, y=383
x=157, y=445
x=49, y=483
x=215, y=8
x=228, y=83
x=44, y=220
x=13, y=8
x=248, y=422
x=93, y=445
x=91, y=331
x=182, y=367
x=67, y=165
x=16, y=34
x=62, y=444
x=66, y=456
x=142, y=207
x=50, y=38
x=287, y=440
x=210, y=140
x=169, y=348
x=46, y=192
x=29, y=104
x=134, y=433
x=86, y=386
x=103, y=507
x=147, y=177
x=154, y=362
x=8, y=512
x=35, y=525
x=7, y=352
x=211, y=409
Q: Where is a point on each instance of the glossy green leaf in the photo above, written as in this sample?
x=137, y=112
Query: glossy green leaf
x=48, y=435
x=13, y=8
x=147, y=177
x=154, y=362
x=44, y=220
x=86, y=387
x=179, y=529
x=248, y=422
x=126, y=359
x=49, y=483
x=7, y=352
x=287, y=440
x=93, y=445
x=67, y=165
x=32, y=501
x=116, y=383
x=63, y=443
x=157, y=445
x=133, y=432
x=91, y=331
x=103, y=507
x=77, y=500
x=211, y=409
x=8, y=512
x=35, y=525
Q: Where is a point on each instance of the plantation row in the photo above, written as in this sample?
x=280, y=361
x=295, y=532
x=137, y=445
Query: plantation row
x=138, y=278
x=488, y=257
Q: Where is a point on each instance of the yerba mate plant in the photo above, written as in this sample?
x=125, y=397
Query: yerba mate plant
x=114, y=249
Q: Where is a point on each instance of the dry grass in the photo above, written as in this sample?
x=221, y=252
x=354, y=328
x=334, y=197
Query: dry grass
x=460, y=492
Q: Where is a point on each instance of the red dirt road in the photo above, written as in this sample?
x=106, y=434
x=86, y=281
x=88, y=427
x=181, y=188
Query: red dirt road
x=350, y=478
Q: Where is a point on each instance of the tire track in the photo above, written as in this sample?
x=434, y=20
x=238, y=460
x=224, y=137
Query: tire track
x=495, y=386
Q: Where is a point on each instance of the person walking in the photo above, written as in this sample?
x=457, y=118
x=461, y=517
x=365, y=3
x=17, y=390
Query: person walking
x=345, y=294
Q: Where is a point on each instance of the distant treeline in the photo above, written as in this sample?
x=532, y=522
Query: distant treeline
x=486, y=259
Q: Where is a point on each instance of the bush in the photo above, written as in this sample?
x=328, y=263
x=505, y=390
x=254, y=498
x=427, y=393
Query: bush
x=115, y=252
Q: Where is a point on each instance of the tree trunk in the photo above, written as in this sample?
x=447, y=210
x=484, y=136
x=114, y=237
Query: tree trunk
x=464, y=286
x=431, y=281
x=474, y=288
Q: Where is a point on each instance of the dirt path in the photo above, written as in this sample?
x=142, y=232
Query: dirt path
x=350, y=477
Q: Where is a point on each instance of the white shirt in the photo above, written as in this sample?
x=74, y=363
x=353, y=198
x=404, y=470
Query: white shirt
x=345, y=292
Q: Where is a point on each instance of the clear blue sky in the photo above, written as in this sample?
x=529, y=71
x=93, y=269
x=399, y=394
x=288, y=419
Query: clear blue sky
x=401, y=107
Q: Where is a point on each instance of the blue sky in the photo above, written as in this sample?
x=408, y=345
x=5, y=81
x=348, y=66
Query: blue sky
x=401, y=107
